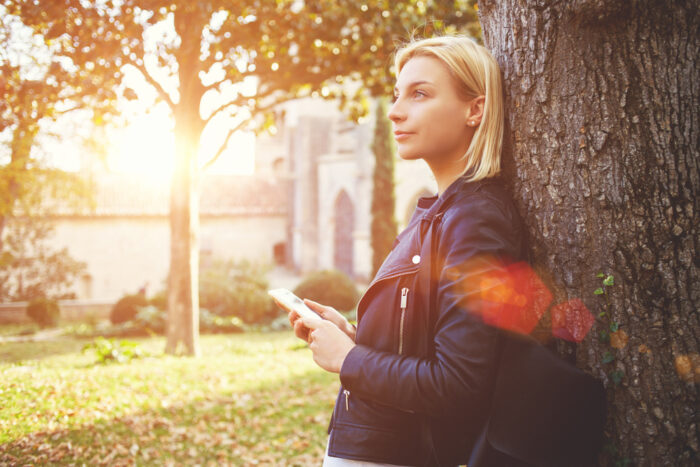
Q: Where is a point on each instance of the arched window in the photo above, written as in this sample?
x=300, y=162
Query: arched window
x=279, y=253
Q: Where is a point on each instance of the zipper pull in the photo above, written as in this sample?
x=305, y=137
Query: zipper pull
x=347, y=396
x=404, y=297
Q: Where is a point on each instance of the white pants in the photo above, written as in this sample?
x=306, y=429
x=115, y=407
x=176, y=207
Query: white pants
x=329, y=461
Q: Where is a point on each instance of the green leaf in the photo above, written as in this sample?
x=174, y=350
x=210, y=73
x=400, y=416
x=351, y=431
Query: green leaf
x=616, y=376
x=602, y=314
x=608, y=357
x=598, y=291
x=600, y=274
x=608, y=281
x=614, y=326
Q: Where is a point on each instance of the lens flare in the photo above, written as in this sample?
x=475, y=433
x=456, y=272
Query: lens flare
x=571, y=320
x=510, y=297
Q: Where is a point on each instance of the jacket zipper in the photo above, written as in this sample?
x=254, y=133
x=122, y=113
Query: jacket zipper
x=347, y=399
x=404, y=302
x=394, y=275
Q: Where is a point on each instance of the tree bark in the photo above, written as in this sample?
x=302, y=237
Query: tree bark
x=183, y=283
x=383, y=226
x=602, y=152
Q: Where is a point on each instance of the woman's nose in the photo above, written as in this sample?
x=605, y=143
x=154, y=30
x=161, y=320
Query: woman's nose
x=396, y=114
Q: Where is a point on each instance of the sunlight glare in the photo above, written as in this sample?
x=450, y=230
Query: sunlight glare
x=146, y=147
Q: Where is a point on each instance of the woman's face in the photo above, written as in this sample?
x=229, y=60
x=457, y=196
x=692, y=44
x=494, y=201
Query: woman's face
x=430, y=119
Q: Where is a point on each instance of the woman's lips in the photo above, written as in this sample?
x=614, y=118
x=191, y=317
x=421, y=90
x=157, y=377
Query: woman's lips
x=401, y=135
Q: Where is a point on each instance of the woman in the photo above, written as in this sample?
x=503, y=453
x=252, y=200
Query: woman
x=418, y=371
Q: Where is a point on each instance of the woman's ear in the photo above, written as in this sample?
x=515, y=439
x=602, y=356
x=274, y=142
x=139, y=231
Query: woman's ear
x=475, y=110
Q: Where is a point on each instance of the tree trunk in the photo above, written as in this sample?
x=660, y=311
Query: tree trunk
x=383, y=226
x=183, y=282
x=602, y=153
x=183, y=285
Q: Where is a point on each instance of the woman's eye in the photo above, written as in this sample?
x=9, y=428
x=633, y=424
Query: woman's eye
x=418, y=93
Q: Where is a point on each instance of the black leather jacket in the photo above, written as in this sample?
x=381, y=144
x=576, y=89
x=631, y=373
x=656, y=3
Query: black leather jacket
x=416, y=387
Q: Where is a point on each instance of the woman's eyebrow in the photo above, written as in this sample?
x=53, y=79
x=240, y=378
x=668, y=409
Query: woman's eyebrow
x=413, y=84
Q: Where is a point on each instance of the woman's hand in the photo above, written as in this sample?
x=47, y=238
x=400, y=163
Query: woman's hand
x=329, y=344
x=332, y=315
x=301, y=331
x=326, y=312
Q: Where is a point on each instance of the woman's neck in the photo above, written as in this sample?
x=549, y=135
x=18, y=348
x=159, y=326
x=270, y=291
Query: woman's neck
x=445, y=174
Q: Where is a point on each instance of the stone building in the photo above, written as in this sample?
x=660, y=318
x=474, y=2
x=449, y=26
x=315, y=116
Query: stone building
x=328, y=164
x=306, y=208
x=125, y=239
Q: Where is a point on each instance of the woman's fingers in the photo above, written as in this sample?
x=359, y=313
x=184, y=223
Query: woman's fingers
x=323, y=310
x=329, y=344
x=312, y=323
x=301, y=331
x=334, y=316
x=326, y=312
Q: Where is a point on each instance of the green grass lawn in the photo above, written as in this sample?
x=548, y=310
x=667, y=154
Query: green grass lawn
x=251, y=399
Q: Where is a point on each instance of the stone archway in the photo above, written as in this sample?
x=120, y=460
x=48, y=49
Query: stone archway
x=343, y=247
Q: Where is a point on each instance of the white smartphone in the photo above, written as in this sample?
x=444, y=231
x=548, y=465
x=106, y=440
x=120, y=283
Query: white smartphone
x=290, y=302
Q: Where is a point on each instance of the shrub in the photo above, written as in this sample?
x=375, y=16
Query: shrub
x=44, y=311
x=151, y=319
x=329, y=287
x=211, y=323
x=126, y=308
x=109, y=350
x=237, y=289
x=159, y=300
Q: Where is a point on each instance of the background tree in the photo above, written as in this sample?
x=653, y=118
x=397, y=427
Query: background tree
x=383, y=228
x=37, y=87
x=29, y=266
x=196, y=52
x=603, y=154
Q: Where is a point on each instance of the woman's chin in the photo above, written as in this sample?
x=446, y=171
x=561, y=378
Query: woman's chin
x=407, y=156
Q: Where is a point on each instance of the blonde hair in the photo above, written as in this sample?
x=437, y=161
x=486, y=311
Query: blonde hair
x=477, y=74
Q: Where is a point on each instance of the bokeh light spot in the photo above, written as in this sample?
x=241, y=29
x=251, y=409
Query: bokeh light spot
x=688, y=367
x=618, y=339
x=571, y=320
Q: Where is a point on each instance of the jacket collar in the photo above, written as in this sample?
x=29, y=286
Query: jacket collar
x=460, y=185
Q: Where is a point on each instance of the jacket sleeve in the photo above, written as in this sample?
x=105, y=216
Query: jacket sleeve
x=459, y=377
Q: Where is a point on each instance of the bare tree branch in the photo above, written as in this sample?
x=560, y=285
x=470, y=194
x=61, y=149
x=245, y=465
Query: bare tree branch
x=239, y=101
x=71, y=109
x=223, y=145
x=258, y=110
x=221, y=108
x=161, y=92
x=240, y=76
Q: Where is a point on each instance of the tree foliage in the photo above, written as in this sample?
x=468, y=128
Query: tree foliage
x=38, y=85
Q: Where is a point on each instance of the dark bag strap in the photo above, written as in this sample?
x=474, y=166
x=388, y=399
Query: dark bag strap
x=545, y=411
